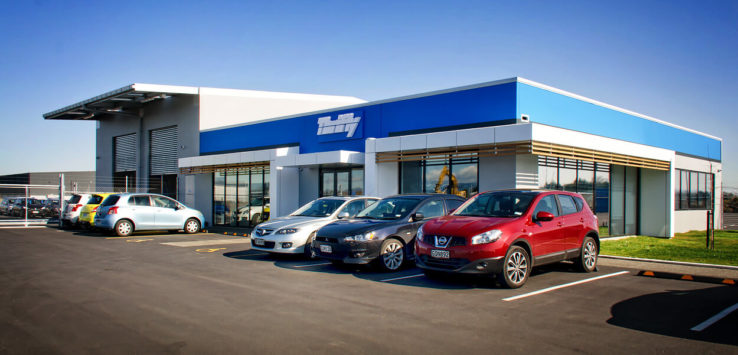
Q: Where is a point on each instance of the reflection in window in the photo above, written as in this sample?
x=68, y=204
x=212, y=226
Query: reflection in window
x=240, y=197
x=341, y=182
x=456, y=176
x=411, y=176
x=694, y=190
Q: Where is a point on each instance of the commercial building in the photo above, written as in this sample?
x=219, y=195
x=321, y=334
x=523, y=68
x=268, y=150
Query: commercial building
x=641, y=175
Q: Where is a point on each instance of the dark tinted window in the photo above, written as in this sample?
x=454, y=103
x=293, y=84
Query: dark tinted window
x=95, y=200
x=567, y=204
x=547, y=204
x=110, y=200
x=497, y=204
x=319, y=208
x=453, y=204
x=139, y=201
x=390, y=208
x=75, y=199
x=432, y=209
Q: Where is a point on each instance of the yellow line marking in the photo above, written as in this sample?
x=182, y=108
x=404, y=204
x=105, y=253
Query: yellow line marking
x=208, y=250
x=137, y=240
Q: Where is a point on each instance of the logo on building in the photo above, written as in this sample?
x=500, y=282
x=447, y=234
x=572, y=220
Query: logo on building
x=344, y=123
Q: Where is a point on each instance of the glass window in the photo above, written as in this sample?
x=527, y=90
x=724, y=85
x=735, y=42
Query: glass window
x=567, y=204
x=342, y=183
x=163, y=202
x=693, y=183
x=111, y=200
x=497, y=204
x=568, y=179
x=219, y=198
x=411, y=175
x=389, y=208
x=354, y=207
x=95, y=200
x=547, y=204
x=708, y=191
x=231, y=181
x=319, y=208
x=684, y=190
x=436, y=177
x=242, y=189
x=585, y=182
x=432, y=209
x=452, y=204
x=548, y=177
x=139, y=200
x=357, y=182
x=465, y=178
x=579, y=202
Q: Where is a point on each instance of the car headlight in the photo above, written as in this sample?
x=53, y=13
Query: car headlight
x=360, y=237
x=419, y=236
x=287, y=231
x=486, y=237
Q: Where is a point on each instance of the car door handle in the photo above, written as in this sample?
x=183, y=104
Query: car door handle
x=581, y=220
x=559, y=224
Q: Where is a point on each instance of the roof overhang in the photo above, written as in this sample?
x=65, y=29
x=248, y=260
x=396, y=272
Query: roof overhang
x=124, y=102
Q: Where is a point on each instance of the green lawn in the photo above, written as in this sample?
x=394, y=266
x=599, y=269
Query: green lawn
x=688, y=247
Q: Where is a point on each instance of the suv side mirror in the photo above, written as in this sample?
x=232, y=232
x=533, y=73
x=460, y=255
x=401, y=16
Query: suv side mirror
x=344, y=215
x=544, y=216
x=417, y=216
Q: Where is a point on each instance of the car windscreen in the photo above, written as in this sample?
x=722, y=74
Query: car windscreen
x=319, y=208
x=110, y=200
x=75, y=199
x=390, y=208
x=497, y=204
x=95, y=200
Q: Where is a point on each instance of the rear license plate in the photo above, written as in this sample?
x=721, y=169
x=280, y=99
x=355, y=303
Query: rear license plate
x=326, y=249
x=258, y=241
x=440, y=254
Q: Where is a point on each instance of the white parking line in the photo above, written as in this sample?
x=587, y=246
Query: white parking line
x=309, y=265
x=562, y=286
x=400, y=278
x=22, y=227
x=702, y=326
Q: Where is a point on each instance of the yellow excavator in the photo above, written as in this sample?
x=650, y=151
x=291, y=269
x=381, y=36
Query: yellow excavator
x=454, y=186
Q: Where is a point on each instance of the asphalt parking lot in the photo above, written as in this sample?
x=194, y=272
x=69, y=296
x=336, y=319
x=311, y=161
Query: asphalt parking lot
x=75, y=292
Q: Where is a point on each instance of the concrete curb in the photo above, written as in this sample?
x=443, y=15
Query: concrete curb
x=669, y=262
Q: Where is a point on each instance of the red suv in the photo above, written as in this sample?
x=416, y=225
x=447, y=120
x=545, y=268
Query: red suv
x=506, y=233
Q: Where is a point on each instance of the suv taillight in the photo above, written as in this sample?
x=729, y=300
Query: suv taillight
x=113, y=210
x=76, y=207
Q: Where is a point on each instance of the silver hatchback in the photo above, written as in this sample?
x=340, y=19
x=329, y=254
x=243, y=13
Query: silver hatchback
x=124, y=213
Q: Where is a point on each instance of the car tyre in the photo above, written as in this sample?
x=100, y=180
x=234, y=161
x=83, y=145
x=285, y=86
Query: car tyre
x=192, y=226
x=516, y=268
x=308, y=250
x=123, y=228
x=391, y=255
x=587, y=260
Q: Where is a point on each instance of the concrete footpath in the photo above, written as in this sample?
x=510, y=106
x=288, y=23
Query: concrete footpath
x=713, y=271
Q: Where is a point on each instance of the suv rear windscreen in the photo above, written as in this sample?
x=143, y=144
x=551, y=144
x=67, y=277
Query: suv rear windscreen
x=111, y=200
x=75, y=199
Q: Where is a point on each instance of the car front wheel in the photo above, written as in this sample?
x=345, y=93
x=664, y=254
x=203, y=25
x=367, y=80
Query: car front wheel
x=123, y=228
x=308, y=249
x=587, y=260
x=391, y=255
x=192, y=226
x=516, y=268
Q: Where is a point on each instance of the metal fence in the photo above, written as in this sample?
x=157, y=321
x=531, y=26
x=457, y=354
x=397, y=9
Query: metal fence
x=29, y=205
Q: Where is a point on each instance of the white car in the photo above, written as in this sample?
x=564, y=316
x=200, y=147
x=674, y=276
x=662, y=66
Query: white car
x=70, y=215
x=294, y=234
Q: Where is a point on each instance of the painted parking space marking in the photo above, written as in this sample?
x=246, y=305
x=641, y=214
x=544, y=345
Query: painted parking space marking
x=402, y=278
x=309, y=265
x=198, y=243
x=209, y=250
x=138, y=240
x=549, y=289
x=161, y=235
x=714, y=319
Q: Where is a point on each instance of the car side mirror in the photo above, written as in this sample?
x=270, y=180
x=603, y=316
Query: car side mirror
x=417, y=216
x=544, y=216
x=344, y=215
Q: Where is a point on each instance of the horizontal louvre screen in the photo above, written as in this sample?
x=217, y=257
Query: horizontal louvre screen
x=125, y=153
x=163, y=151
x=254, y=167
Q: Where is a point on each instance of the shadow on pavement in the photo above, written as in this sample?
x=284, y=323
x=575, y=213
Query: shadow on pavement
x=676, y=312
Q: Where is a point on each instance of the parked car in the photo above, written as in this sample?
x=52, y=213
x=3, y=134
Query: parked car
x=129, y=212
x=506, y=233
x=5, y=206
x=293, y=234
x=50, y=209
x=384, y=231
x=73, y=208
x=33, y=205
x=87, y=213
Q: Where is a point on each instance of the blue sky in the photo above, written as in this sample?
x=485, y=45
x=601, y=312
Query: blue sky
x=674, y=60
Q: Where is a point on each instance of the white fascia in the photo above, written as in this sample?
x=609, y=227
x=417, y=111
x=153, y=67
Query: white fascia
x=238, y=157
x=322, y=158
